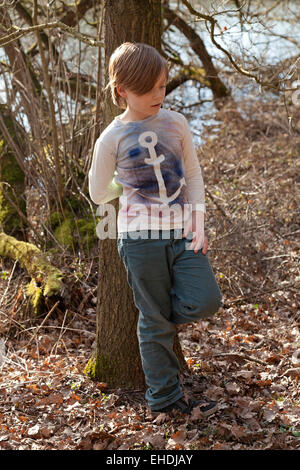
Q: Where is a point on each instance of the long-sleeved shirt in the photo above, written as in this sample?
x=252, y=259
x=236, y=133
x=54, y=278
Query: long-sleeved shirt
x=152, y=166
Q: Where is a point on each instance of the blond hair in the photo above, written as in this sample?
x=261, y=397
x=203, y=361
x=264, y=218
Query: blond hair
x=136, y=67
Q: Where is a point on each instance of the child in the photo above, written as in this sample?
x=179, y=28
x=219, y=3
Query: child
x=158, y=179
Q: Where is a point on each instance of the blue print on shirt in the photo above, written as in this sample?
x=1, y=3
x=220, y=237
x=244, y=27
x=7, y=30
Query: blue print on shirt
x=134, y=152
x=149, y=140
x=153, y=171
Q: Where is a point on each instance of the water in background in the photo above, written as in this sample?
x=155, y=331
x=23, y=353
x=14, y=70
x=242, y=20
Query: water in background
x=256, y=41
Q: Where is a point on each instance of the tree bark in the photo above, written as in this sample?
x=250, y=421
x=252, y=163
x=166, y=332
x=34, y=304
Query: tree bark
x=116, y=359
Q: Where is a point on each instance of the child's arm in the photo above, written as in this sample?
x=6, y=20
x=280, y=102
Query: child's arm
x=102, y=187
x=195, y=190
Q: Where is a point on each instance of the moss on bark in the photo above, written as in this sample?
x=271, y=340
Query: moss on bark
x=10, y=173
x=99, y=368
x=47, y=280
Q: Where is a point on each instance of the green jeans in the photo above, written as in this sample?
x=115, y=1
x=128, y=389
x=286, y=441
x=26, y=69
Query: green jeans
x=171, y=285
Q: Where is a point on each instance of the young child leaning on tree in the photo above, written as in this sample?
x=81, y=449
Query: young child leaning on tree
x=146, y=157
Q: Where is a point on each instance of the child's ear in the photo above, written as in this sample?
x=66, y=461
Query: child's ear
x=121, y=91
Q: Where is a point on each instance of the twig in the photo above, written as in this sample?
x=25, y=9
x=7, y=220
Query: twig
x=61, y=333
x=240, y=69
x=84, y=300
x=295, y=371
x=59, y=327
x=40, y=326
x=16, y=322
x=257, y=293
x=19, y=32
x=243, y=357
x=8, y=283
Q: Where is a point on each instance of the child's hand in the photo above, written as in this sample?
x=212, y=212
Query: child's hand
x=196, y=225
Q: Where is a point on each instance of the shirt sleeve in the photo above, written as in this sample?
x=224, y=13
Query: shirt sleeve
x=102, y=185
x=193, y=173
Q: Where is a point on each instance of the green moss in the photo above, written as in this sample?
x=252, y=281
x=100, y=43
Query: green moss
x=64, y=232
x=54, y=281
x=11, y=172
x=36, y=296
x=46, y=280
x=199, y=74
x=4, y=210
x=74, y=203
x=71, y=232
x=91, y=370
x=87, y=232
x=55, y=219
x=99, y=368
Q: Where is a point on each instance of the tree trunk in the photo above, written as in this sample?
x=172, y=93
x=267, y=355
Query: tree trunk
x=12, y=178
x=116, y=359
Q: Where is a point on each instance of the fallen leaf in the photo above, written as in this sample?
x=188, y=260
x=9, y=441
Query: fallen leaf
x=196, y=414
x=269, y=415
x=23, y=418
x=157, y=441
x=296, y=358
x=45, y=432
x=33, y=431
x=179, y=436
x=232, y=388
x=274, y=359
x=162, y=418
x=221, y=446
x=238, y=431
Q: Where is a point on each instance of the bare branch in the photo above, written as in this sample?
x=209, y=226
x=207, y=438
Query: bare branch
x=212, y=21
x=21, y=32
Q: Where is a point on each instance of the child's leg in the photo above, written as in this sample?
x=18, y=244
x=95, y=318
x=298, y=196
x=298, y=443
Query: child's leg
x=195, y=293
x=148, y=264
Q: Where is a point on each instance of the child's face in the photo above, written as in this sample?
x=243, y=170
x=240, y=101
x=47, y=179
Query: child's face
x=142, y=106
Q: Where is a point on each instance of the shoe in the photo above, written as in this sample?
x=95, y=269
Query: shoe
x=207, y=407
x=179, y=405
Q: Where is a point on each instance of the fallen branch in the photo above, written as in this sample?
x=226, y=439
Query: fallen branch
x=293, y=372
x=241, y=357
x=46, y=280
x=40, y=326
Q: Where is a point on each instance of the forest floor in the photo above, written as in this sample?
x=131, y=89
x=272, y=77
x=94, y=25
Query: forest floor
x=247, y=357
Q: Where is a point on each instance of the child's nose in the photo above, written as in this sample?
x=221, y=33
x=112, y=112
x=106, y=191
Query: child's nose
x=159, y=93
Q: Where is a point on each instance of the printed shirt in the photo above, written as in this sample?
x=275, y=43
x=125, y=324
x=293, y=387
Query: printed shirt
x=152, y=166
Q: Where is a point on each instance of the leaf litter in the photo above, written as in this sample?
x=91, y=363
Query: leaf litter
x=247, y=357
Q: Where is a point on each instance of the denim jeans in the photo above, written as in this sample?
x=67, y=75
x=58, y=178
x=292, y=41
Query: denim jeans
x=171, y=285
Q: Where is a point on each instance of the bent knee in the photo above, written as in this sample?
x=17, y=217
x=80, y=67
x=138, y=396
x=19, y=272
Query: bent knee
x=205, y=308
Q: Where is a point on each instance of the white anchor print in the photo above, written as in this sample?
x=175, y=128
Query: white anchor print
x=156, y=161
